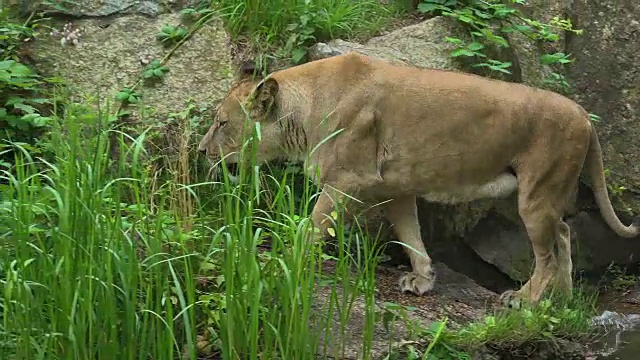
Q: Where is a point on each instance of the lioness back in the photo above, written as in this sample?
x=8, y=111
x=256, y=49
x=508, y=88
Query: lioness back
x=442, y=129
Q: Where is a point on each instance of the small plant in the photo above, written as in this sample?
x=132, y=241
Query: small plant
x=595, y=118
x=155, y=69
x=18, y=111
x=24, y=105
x=12, y=35
x=69, y=35
x=128, y=96
x=190, y=15
x=302, y=34
x=170, y=35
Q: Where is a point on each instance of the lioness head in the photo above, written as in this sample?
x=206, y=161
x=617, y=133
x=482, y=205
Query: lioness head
x=248, y=102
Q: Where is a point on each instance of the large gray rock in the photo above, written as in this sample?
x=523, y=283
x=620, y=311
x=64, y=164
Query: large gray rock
x=606, y=78
x=110, y=58
x=101, y=8
x=419, y=45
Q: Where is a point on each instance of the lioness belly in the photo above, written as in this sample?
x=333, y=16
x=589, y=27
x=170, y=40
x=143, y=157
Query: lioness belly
x=502, y=186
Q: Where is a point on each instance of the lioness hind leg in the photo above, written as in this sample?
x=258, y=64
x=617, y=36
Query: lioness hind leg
x=552, y=272
x=403, y=215
x=541, y=225
x=563, y=282
x=541, y=203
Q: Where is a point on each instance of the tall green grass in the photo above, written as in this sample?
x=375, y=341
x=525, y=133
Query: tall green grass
x=292, y=25
x=85, y=268
x=99, y=260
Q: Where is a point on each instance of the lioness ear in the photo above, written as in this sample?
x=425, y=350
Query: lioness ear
x=264, y=96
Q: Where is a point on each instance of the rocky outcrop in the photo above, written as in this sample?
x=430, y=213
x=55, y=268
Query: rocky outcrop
x=419, y=45
x=113, y=52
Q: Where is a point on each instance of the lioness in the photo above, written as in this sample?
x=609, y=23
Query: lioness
x=443, y=136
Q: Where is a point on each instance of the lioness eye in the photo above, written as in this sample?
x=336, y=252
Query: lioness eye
x=223, y=123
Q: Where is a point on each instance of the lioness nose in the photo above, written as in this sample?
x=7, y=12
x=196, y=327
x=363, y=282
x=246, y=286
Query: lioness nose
x=202, y=151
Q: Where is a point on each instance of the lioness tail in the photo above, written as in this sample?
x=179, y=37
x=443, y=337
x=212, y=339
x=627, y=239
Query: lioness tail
x=595, y=170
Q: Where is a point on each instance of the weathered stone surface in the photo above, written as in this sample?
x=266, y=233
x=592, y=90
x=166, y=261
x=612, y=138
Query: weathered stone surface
x=102, y=8
x=606, y=78
x=109, y=59
x=455, y=296
x=419, y=45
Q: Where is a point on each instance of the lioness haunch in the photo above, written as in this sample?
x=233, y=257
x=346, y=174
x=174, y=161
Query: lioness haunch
x=396, y=133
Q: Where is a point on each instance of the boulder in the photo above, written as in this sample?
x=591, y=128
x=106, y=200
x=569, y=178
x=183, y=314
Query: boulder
x=419, y=45
x=113, y=52
x=103, y=8
x=606, y=79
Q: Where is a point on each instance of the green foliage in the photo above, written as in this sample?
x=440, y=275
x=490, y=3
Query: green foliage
x=21, y=101
x=12, y=34
x=128, y=96
x=505, y=330
x=19, y=111
x=89, y=267
x=154, y=70
x=550, y=319
x=293, y=25
x=489, y=22
x=98, y=260
x=170, y=35
x=190, y=15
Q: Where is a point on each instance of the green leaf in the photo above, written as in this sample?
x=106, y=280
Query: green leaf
x=14, y=100
x=558, y=57
x=122, y=95
x=462, y=52
x=475, y=46
x=25, y=108
x=298, y=54
x=40, y=101
x=453, y=40
x=36, y=120
x=426, y=7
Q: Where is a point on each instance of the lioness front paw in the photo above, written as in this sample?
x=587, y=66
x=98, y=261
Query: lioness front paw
x=511, y=299
x=416, y=283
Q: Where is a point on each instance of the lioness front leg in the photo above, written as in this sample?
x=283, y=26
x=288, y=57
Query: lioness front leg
x=321, y=213
x=403, y=215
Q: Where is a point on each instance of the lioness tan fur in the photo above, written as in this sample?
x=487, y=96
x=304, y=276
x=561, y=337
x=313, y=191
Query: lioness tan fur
x=396, y=133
